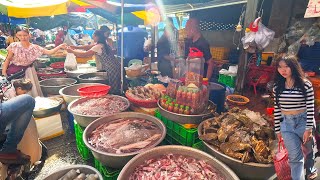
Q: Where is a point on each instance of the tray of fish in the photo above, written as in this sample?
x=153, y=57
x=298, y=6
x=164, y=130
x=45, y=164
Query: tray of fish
x=189, y=119
x=175, y=162
x=242, y=139
x=85, y=110
x=115, y=139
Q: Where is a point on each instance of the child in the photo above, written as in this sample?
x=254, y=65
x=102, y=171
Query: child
x=20, y=86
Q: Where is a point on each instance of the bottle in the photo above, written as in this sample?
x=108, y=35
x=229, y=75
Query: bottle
x=176, y=108
x=187, y=110
x=178, y=97
x=170, y=107
x=181, y=110
x=189, y=98
x=183, y=96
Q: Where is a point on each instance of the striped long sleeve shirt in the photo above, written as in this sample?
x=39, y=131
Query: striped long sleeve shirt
x=293, y=99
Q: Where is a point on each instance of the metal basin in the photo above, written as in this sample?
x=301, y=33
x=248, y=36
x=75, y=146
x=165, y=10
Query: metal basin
x=85, y=78
x=181, y=150
x=83, y=169
x=250, y=171
x=70, y=93
x=85, y=120
x=53, y=85
x=188, y=119
x=81, y=70
x=119, y=160
x=48, y=112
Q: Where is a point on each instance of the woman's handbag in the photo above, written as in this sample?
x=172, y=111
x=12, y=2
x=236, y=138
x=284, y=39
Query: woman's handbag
x=281, y=162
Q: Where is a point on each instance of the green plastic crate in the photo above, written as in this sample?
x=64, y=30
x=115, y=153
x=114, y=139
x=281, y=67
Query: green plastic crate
x=182, y=135
x=199, y=145
x=83, y=150
x=107, y=172
x=57, y=59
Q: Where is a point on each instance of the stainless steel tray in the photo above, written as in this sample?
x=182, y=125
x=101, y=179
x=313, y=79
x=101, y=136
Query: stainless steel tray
x=188, y=119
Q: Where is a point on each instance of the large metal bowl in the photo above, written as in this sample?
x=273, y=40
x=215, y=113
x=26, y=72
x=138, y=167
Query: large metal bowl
x=119, y=160
x=48, y=112
x=250, y=171
x=84, y=78
x=188, y=119
x=85, y=120
x=81, y=70
x=83, y=169
x=181, y=150
x=70, y=93
x=53, y=85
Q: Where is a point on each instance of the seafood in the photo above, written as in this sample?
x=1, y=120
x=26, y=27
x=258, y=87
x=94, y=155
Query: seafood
x=247, y=138
x=144, y=93
x=173, y=166
x=124, y=135
x=45, y=103
x=100, y=106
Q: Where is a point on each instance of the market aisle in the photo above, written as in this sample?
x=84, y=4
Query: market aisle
x=62, y=151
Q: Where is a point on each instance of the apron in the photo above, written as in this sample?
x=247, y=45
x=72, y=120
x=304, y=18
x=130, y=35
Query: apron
x=107, y=61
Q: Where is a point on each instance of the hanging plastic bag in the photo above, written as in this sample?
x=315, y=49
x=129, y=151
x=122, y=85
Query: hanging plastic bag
x=281, y=163
x=263, y=36
x=71, y=63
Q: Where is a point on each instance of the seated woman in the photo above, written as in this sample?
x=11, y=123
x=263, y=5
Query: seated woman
x=105, y=60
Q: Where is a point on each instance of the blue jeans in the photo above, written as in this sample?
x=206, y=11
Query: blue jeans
x=292, y=129
x=18, y=112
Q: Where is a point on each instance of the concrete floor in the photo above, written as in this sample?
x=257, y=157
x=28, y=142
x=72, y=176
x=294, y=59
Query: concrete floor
x=62, y=151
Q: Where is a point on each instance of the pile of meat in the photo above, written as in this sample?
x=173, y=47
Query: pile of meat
x=241, y=134
x=125, y=135
x=100, y=106
x=174, y=166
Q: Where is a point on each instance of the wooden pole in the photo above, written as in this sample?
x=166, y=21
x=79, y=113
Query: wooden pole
x=251, y=12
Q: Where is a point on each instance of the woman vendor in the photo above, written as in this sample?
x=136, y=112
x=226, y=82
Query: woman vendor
x=105, y=60
x=21, y=56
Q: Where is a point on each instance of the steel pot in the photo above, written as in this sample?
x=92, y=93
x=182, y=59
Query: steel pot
x=70, y=93
x=119, y=160
x=85, y=120
x=188, y=119
x=83, y=169
x=181, y=150
x=243, y=170
x=85, y=78
x=48, y=112
x=53, y=85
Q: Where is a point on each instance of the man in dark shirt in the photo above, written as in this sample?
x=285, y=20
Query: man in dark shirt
x=195, y=39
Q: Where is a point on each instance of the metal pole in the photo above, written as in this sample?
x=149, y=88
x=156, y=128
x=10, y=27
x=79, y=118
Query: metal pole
x=122, y=28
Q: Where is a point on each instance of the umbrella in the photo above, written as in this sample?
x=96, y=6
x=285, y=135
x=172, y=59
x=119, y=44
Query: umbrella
x=36, y=8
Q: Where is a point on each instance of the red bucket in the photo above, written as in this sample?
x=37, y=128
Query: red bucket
x=94, y=91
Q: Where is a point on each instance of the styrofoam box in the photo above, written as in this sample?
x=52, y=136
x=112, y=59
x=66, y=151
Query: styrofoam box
x=49, y=127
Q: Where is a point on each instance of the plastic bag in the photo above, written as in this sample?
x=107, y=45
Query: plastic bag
x=71, y=63
x=263, y=36
x=281, y=163
x=147, y=45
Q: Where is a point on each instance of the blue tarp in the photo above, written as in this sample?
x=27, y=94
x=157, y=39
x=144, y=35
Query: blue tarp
x=13, y=21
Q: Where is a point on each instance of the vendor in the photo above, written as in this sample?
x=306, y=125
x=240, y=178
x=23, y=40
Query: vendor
x=163, y=50
x=196, y=40
x=105, y=60
x=21, y=56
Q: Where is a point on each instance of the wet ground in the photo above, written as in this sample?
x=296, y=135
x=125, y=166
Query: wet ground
x=62, y=151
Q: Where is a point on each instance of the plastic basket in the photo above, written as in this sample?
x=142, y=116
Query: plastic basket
x=57, y=59
x=246, y=100
x=83, y=150
x=57, y=65
x=220, y=53
x=281, y=163
x=142, y=103
x=94, y=91
x=178, y=133
x=106, y=172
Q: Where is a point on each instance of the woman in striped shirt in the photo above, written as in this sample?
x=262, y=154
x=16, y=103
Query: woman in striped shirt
x=294, y=116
